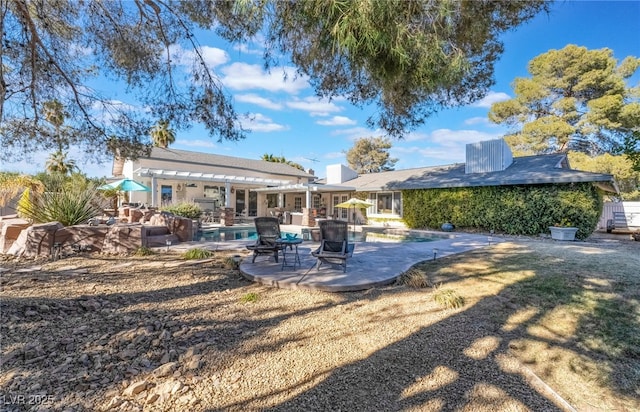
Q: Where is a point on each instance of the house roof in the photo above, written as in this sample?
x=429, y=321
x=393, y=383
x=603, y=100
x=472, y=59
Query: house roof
x=209, y=159
x=527, y=170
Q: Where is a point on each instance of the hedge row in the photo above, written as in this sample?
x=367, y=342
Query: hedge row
x=516, y=210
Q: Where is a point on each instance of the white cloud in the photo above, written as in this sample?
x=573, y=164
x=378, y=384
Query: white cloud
x=243, y=76
x=415, y=136
x=442, y=146
x=315, y=106
x=354, y=133
x=476, y=120
x=244, y=48
x=258, y=101
x=257, y=122
x=211, y=55
x=491, y=98
x=337, y=121
x=196, y=143
x=449, y=138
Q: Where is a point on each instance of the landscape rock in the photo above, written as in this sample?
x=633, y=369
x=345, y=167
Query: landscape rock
x=165, y=370
x=135, y=388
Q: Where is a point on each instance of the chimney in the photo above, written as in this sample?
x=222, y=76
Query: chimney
x=488, y=156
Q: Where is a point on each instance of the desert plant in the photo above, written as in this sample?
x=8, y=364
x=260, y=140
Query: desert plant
x=12, y=184
x=68, y=200
x=231, y=262
x=144, y=251
x=189, y=210
x=197, y=253
x=448, y=298
x=250, y=297
x=414, y=278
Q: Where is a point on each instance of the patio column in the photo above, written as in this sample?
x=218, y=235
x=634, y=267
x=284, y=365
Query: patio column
x=280, y=200
x=308, y=198
x=154, y=191
x=227, y=197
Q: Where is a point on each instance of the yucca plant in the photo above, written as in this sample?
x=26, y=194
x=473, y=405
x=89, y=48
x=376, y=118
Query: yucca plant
x=70, y=201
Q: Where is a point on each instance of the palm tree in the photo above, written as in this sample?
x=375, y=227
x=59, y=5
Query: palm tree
x=267, y=157
x=162, y=135
x=58, y=163
x=55, y=114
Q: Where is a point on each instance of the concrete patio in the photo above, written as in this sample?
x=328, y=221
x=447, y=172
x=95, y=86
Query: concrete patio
x=373, y=263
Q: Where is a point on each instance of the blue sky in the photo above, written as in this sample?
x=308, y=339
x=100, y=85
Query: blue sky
x=289, y=121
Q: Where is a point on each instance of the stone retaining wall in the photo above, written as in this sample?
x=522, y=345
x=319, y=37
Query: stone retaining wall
x=47, y=239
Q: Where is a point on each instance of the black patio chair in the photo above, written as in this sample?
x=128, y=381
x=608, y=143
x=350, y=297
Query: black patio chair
x=268, y=230
x=334, y=248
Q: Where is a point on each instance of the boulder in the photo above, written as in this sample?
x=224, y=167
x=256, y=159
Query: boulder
x=84, y=237
x=10, y=229
x=123, y=238
x=36, y=240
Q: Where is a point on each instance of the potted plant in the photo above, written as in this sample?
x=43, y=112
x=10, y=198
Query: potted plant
x=563, y=231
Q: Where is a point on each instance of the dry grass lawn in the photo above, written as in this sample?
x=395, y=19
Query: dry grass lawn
x=540, y=323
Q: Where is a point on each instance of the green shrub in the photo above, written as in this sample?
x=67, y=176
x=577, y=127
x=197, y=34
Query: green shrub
x=144, y=251
x=185, y=209
x=197, y=253
x=515, y=210
x=250, y=297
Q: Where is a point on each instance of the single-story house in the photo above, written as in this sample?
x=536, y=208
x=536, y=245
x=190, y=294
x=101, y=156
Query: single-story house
x=258, y=188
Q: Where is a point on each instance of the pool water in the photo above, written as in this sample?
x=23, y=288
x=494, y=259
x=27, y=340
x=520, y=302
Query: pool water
x=368, y=235
x=227, y=234
x=398, y=236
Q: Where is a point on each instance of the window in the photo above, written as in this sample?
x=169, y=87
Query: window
x=167, y=194
x=385, y=203
x=253, y=203
x=297, y=203
x=272, y=200
x=397, y=203
x=316, y=201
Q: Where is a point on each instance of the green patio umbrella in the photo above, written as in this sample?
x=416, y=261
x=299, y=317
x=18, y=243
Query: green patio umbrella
x=125, y=185
x=355, y=203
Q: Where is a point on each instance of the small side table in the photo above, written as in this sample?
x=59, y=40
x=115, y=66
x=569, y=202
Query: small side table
x=291, y=243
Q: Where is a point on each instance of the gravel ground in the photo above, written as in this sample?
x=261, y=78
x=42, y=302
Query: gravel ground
x=158, y=333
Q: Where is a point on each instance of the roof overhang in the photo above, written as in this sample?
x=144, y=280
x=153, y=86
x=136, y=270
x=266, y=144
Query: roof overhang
x=209, y=177
x=305, y=187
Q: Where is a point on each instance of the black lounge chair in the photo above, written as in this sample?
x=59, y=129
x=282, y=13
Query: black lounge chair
x=268, y=230
x=334, y=246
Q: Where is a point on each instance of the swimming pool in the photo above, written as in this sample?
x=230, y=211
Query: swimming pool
x=225, y=234
x=398, y=235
